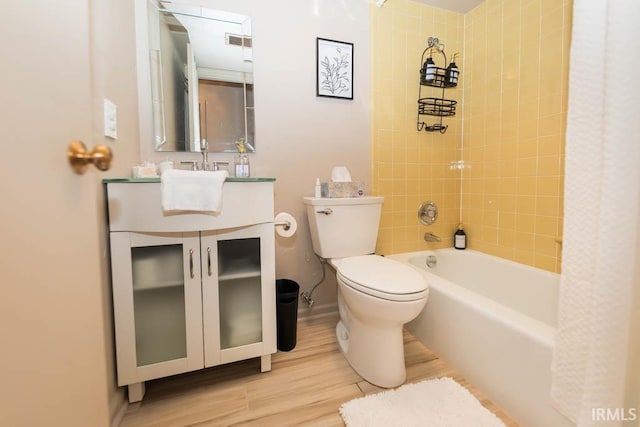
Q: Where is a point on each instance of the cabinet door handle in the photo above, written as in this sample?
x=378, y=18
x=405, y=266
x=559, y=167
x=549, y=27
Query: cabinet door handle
x=191, y=263
x=209, y=261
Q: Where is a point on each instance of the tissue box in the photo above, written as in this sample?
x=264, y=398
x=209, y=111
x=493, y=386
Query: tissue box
x=342, y=189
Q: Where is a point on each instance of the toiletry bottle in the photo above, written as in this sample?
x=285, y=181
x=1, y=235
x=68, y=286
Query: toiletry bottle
x=429, y=70
x=318, y=190
x=460, y=238
x=241, y=163
x=452, y=72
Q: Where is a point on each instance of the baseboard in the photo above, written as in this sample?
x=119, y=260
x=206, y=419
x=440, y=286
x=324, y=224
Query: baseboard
x=116, y=420
x=315, y=310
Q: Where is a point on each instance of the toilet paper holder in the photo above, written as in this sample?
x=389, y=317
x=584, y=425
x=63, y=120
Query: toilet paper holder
x=286, y=225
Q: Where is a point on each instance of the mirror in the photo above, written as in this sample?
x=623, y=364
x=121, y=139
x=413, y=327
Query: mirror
x=201, y=73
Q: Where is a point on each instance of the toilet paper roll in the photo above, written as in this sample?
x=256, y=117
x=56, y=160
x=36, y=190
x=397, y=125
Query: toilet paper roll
x=281, y=221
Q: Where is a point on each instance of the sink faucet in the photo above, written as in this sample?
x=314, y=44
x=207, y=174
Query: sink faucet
x=204, y=147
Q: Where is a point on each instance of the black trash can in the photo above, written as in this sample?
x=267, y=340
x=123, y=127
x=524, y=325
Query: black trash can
x=287, y=313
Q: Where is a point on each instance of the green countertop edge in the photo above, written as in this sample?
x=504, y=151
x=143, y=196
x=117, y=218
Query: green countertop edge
x=142, y=180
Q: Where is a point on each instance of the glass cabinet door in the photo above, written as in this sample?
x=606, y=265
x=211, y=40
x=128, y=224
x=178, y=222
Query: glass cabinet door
x=239, y=292
x=157, y=304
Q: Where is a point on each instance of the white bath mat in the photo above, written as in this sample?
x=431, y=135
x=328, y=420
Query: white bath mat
x=435, y=403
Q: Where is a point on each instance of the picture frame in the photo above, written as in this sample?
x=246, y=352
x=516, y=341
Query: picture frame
x=334, y=69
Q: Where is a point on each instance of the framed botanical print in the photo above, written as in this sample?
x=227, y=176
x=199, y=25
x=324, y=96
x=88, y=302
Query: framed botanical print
x=334, y=69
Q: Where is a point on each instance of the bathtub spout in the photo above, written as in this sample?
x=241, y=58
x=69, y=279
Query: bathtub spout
x=430, y=237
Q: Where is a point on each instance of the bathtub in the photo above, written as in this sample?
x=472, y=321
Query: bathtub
x=493, y=322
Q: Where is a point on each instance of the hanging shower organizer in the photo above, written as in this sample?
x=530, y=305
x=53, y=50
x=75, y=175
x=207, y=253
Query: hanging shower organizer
x=437, y=77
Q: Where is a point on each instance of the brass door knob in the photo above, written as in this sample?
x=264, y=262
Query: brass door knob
x=79, y=157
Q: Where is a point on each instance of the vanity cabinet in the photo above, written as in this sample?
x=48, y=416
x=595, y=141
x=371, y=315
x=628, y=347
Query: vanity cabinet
x=184, y=298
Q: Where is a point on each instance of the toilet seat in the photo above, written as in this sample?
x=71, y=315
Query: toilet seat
x=382, y=277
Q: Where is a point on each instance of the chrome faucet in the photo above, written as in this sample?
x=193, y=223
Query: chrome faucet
x=204, y=149
x=430, y=237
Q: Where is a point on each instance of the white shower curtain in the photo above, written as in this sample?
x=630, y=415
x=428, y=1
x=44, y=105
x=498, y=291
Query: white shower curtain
x=601, y=222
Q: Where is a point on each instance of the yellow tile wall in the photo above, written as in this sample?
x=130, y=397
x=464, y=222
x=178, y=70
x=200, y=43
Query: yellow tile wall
x=509, y=128
x=515, y=97
x=410, y=167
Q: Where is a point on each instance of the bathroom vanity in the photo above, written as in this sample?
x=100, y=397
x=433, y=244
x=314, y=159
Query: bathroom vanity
x=190, y=290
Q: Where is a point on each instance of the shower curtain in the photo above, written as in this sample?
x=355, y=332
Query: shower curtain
x=602, y=197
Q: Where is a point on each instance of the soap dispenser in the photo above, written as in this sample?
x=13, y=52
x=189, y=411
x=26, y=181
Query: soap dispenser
x=241, y=160
x=460, y=238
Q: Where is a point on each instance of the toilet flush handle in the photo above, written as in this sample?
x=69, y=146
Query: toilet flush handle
x=326, y=211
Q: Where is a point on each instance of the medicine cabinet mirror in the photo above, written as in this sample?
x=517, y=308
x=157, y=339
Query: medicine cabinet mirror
x=200, y=77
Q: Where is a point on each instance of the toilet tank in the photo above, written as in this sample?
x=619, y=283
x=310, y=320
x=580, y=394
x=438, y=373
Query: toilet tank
x=342, y=227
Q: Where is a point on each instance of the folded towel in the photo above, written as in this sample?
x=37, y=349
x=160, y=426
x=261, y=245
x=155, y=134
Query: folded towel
x=192, y=190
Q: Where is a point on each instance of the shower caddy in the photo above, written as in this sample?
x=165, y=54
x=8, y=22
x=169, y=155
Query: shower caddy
x=434, y=76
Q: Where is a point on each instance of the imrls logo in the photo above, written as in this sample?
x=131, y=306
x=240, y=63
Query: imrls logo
x=614, y=414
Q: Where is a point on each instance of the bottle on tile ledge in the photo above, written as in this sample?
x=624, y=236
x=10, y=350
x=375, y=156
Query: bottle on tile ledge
x=460, y=238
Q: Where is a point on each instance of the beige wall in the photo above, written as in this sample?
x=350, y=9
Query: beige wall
x=300, y=137
x=114, y=78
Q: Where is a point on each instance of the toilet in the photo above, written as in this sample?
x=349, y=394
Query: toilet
x=376, y=295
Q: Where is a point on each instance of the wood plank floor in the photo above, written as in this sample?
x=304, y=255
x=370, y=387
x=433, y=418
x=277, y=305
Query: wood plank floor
x=305, y=387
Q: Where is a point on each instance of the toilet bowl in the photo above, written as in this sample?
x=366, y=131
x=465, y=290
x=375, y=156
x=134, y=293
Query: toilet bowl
x=376, y=297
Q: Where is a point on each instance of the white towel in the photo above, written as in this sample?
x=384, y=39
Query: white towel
x=192, y=190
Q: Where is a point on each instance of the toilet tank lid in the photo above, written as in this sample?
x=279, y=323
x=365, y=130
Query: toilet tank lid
x=335, y=201
x=382, y=274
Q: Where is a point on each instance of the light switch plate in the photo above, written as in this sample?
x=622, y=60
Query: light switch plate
x=110, y=119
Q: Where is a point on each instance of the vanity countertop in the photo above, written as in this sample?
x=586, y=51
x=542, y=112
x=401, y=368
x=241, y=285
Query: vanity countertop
x=138, y=208
x=139, y=180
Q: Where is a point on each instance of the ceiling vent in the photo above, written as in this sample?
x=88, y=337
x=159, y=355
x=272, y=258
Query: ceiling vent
x=238, y=40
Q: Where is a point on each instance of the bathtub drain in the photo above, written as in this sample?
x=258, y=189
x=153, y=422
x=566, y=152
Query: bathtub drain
x=432, y=261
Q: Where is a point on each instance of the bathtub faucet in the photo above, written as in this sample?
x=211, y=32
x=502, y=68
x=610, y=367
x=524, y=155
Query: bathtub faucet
x=430, y=237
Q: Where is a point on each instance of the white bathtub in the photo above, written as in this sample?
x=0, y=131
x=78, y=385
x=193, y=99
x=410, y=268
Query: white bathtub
x=493, y=321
